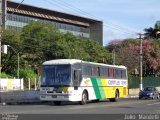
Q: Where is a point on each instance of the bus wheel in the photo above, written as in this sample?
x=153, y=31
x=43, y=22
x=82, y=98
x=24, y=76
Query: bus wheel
x=57, y=102
x=116, y=97
x=84, y=98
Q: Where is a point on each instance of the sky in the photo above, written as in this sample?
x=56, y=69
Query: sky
x=121, y=18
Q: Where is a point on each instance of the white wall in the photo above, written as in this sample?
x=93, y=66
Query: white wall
x=11, y=84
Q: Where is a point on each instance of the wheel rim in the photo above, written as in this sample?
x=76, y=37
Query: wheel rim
x=158, y=97
x=84, y=97
x=117, y=95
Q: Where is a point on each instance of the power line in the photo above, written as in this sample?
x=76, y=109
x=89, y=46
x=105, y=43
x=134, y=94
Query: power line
x=81, y=11
x=111, y=25
x=18, y=5
x=15, y=8
x=71, y=6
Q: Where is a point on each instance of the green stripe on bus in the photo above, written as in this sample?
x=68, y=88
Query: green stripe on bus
x=101, y=88
x=96, y=88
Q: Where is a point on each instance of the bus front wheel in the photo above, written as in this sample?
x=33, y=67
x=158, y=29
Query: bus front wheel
x=84, y=98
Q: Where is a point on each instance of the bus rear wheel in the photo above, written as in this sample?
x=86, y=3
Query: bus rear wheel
x=57, y=102
x=84, y=98
x=116, y=97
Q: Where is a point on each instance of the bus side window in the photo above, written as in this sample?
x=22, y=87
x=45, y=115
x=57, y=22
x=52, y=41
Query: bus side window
x=76, y=77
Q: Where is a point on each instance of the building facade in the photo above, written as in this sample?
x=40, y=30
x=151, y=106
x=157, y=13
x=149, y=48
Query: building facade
x=80, y=26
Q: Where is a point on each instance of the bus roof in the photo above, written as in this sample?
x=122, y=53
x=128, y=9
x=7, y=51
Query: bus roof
x=73, y=61
x=62, y=61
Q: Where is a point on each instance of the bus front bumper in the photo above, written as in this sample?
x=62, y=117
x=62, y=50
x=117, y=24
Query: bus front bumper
x=60, y=97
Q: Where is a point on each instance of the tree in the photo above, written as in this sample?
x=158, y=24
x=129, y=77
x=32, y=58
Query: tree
x=45, y=42
x=126, y=52
x=75, y=48
x=114, y=44
x=114, y=47
x=96, y=52
x=37, y=39
x=129, y=56
x=150, y=33
x=153, y=33
x=39, y=42
x=153, y=57
x=9, y=60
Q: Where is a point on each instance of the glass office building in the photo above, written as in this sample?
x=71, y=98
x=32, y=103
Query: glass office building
x=18, y=22
x=79, y=26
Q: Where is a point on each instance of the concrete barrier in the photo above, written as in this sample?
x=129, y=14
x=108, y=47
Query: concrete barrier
x=33, y=96
x=133, y=92
x=19, y=96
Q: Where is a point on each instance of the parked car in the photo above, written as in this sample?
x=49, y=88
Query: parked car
x=149, y=92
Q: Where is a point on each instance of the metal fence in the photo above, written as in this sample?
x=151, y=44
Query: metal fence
x=147, y=81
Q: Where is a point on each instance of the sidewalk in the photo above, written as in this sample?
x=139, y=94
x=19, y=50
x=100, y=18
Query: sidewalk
x=132, y=96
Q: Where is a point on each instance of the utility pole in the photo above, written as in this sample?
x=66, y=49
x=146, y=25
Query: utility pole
x=113, y=56
x=0, y=34
x=2, y=26
x=141, y=61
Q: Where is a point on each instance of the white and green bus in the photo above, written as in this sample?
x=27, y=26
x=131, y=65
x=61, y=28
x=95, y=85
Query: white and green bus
x=77, y=80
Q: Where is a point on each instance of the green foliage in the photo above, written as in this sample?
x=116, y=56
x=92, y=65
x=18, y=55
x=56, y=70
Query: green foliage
x=9, y=60
x=26, y=74
x=96, y=52
x=74, y=48
x=38, y=37
x=39, y=42
x=48, y=43
x=4, y=75
x=126, y=42
x=152, y=33
x=12, y=37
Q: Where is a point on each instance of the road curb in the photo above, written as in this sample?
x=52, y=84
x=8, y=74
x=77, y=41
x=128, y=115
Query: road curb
x=133, y=96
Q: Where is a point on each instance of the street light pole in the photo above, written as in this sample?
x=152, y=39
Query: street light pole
x=18, y=67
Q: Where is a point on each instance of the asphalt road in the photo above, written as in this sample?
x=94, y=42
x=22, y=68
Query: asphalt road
x=123, y=106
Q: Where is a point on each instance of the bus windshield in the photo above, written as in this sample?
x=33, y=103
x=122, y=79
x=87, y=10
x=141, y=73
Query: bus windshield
x=56, y=75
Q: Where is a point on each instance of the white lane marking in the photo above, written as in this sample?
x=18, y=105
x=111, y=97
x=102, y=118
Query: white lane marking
x=154, y=103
